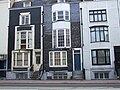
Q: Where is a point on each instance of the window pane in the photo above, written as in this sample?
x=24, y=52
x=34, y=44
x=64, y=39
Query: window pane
x=106, y=75
x=104, y=17
x=67, y=37
x=51, y=58
x=66, y=15
x=101, y=57
x=14, y=59
x=63, y=58
x=91, y=18
x=23, y=40
x=97, y=36
x=30, y=35
x=92, y=36
x=54, y=38
x=17, y=40
x=23, y=35
x=101, y=75
x=102, y=35
x=99, y=17
x=60, y=38
x=25, y=59
x=96, y=17
x=23, y=18
x=26, y=19
x=107, y=57
x=106, y=36
x=57, y=58
x=54, y=16
x=96, y=75
x=29, y=39
x=94, y=59
x=19, y=59
x=93, y=53
x=60, y=15
x=19, y=56
x=30, y=43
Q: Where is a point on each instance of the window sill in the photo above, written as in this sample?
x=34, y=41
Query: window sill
x=100, y=64
x=60, y=21
x=57, y=66
x=97, y=21
x=20, y=66
x=100, y=42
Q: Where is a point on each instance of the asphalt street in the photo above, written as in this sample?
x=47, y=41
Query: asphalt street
x=60, y=85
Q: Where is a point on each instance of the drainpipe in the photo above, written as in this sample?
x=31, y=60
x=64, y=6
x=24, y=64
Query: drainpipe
x=118, y=11
x=42, y=25
x=82, y=41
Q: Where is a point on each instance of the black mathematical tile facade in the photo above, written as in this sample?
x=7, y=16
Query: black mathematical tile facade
x=47, y=37
x=35, y=16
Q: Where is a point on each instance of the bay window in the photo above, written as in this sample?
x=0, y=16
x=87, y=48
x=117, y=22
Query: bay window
x=20, y=59
x=61, y=38
x=24, y=39
x=61, y=16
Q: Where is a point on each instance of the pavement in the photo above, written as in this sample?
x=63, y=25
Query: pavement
x=60, y=81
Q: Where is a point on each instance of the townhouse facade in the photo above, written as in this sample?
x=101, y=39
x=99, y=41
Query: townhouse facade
x=100, y=38
x=4, y=20
x=61, y=57
x=64, y=39
x=24, y=40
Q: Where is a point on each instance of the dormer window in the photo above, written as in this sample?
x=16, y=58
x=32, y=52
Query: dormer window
x=26, y=4
x=24, y=18
x=60, y=1
x=61, y=16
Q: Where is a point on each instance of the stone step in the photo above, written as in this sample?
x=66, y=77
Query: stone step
x=78, y=75
x=77, y=72
x=35, y=75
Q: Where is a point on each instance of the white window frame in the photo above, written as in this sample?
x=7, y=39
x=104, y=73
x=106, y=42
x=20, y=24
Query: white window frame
x=23, y=52
x=60, y=1
x=53, y=56
x=64, y=16
x=65, y=42
x=26, y=4
x=24, y=14
x=103, y=73
x=18, y=45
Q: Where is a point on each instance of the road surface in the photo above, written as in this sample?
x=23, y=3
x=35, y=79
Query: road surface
x=59, y=85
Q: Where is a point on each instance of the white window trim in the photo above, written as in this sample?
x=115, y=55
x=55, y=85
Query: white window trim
x=64, y=15
x=64, y=39
x=100, y=72
x=24, y=4
x=32, y=30
x=59, y=1
x=54, y=59
x=22, y=58
x=24, y=14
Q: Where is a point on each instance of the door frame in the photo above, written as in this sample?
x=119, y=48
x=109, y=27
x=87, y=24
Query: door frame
x=80, y=57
